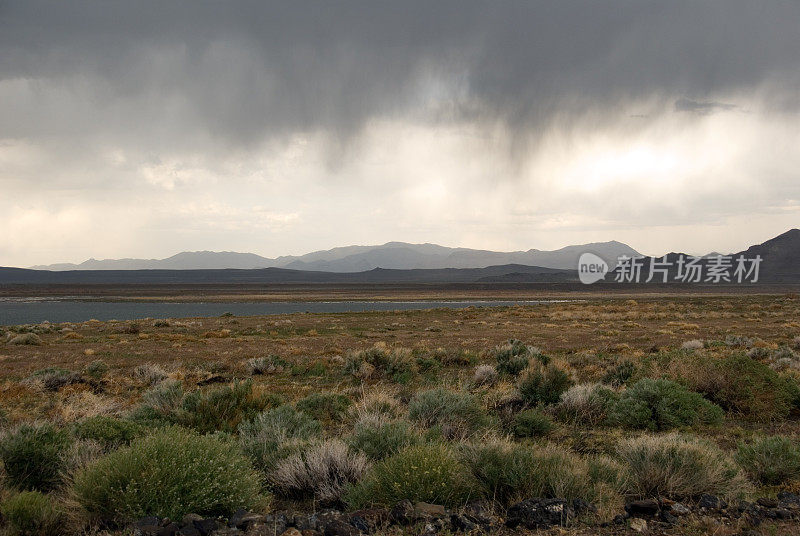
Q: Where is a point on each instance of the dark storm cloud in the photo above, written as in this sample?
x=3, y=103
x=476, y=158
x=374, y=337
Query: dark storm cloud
x=234, y=73
x=702, y=108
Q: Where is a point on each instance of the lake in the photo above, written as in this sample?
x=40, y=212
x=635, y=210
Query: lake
x=34, y=311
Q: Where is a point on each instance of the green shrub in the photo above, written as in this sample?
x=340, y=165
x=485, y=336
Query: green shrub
x=162, y=400
x=32, y=455
x=380, y=440
x=31, y=513
x=514, y=356
x=742, y=385
x=276, y=434
x=507, y=472
x=395, y=363
x=677, y=467
x=170, y=473
x=543, y=385
x=222, y=408
x=324, y=406
x=457, y=414
x=97, y=369
x=770, y=460
x=429, y=473
x=621, y=374
x=662, y=405
x=531, y=423
x=108, y=431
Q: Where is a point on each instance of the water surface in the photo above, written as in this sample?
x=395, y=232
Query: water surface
x=35, y=310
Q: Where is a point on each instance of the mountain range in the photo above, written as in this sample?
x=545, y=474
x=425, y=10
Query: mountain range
x=392, y=255
x=780, y=265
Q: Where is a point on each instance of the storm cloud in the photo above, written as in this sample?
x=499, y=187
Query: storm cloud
x=287, y=103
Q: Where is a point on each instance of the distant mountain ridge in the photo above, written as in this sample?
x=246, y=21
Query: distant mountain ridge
x=780, y=265
x=392, y=255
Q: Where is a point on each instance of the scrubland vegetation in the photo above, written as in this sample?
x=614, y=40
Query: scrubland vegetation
x=107, y=423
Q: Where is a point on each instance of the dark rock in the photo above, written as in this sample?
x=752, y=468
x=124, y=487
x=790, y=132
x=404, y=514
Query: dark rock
x=361, y=524
x=581, y=507
x=462, y=523
x=237, y=517
x=149, y=521
x=751, y=512
x=216, y=378
x=323, y=518
x=54, y=382
x=373, y=518
x=168, y=530
x=206, y=526
x=340, y=528
x=790, y=498
x=539, y=513
x=423, y=510
x=243, y=519
x=146, y=530
x=276, y=524
x=302, y=522
x=666, y=517
x=767, y=502
x=778, y=513
x=402, y=513
x=188, y=530
x=646, y=507
x=711, y=502
x=619, y=519
x=226, y=531
x=480, y=512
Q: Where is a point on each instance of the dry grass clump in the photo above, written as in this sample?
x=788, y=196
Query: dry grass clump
x=265, y=365
x=694, y=344
x=377, y=405
x=485, y=375
x=678, y=467
x=322, y=472
x=30, y=339
x=738, y=341
x=276, y=434
x=149, y=373
x=165, y=398
x=86, y=404
x=585, y=403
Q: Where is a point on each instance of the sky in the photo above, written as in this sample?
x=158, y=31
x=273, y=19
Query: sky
x=141, y=129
